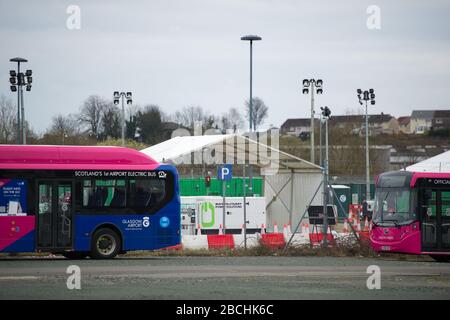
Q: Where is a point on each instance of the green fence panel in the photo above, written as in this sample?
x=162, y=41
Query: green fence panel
x=196, y=187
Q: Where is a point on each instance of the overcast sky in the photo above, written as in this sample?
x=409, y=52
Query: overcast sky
x=176, y=53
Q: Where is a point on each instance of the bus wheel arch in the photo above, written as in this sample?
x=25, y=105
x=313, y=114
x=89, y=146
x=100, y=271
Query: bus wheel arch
x=441, y=258
x=106, y=242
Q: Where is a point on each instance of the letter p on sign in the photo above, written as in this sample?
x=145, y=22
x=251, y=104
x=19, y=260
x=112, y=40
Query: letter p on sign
x=224, y=172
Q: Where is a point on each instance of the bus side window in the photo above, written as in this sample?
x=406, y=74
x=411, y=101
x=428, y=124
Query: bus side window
x=140, y=193
x=146, y=193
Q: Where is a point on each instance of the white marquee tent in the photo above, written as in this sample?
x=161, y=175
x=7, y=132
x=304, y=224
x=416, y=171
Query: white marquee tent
x=439, y=163
x=289, y=181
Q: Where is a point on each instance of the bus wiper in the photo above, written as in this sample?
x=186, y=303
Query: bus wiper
x=394, y=221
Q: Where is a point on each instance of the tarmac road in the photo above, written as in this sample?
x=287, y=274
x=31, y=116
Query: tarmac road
x=151, y=277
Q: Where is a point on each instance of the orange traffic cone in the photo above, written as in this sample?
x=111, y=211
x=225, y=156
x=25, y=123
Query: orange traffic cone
x=358, y=224
x=199, y=231
x=366, y=224
x=220, y=229
x=275, y=228
x=345, y=230
x=263, y=229
x=329, y=235
x=242, y=229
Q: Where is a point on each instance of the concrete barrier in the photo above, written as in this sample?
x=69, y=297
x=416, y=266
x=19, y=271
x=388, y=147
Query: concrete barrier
x=252, y=240
x=195, y=242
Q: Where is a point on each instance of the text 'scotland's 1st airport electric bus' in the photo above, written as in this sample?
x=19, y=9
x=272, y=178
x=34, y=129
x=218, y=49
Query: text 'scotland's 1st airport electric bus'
x=412, y=214
x=86, y=201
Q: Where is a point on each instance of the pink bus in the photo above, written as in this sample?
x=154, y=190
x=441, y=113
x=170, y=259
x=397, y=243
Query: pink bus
x=86, y=201
x=412, y=214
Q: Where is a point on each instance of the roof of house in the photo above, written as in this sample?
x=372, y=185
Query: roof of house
x=373, y=118
x=442, y=113
x=305, y=122
x=297, y=122
x=404, y=121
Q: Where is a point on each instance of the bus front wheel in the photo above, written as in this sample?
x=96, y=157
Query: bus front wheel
x=441, y=258
x=105, y=244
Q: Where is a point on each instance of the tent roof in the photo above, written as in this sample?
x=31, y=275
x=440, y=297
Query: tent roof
x=439, y=163
x=176, y=149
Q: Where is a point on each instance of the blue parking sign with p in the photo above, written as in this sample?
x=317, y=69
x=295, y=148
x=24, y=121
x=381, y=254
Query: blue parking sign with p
x=225, y=172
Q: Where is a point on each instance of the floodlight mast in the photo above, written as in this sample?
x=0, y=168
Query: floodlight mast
x=17, y=80
x=317, y=86
x=367, y=96
x=326, y=114
x=128, y=96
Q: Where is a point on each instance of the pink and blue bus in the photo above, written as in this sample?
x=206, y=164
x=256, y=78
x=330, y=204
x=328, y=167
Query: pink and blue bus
x=411, y=214
x=86, y=201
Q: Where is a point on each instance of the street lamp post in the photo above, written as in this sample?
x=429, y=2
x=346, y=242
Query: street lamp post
x=315, y=85
x=127, y=96
x=250, y=38
x=326, y=113
x=367, y=96
x=18, y=80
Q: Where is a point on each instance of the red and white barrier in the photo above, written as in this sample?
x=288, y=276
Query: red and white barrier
x=273, y=240
x=195, y=242
x=219, y=241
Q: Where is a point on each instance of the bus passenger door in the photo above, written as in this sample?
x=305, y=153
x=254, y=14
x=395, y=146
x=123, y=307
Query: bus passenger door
x=429, y=219
x=55, y=212
x=445, y=219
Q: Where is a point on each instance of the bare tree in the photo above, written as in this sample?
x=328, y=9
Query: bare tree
x=91, y=114
x=259, y=114
x=231, y=120
x=188, y=116
x=8, y=125
x=64, y=125
x=234, y=120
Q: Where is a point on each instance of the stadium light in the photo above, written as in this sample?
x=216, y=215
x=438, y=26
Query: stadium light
x=367, y=95
x=314, y=85
x=116, y=97
x=18, y=80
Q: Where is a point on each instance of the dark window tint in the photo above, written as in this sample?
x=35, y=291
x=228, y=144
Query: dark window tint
x=146, y=193
x=104, y=193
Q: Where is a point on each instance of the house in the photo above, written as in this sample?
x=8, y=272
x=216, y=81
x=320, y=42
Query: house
x=404, y=124
x=441, y=119
x=294, y=127
x=426, y=120
x=378, y=123
x=421, y=121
